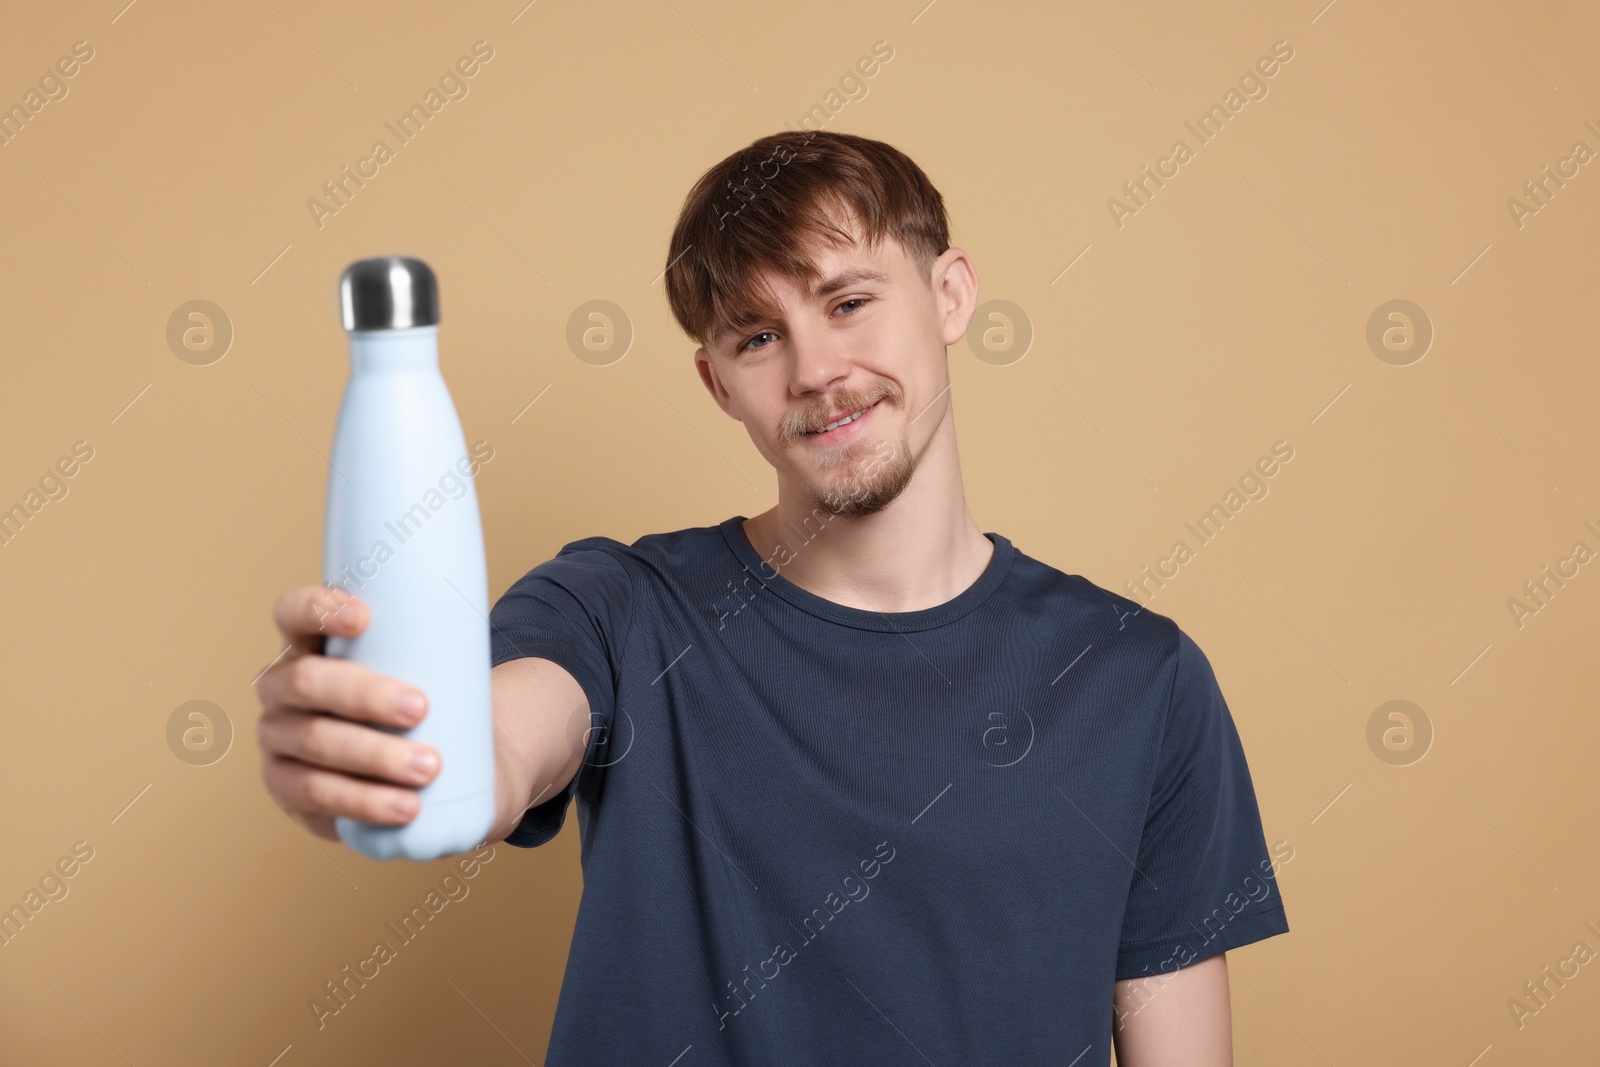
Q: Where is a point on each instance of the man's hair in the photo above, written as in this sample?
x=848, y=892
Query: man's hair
x=770, y=205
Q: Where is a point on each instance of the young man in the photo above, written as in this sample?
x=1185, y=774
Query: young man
x=856, y=781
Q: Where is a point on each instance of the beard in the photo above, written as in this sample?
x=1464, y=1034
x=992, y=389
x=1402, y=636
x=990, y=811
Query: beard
x=862, y=477
x=870, y=482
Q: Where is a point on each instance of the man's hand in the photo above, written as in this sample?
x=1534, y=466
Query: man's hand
x=1182, y=1019
x=318, y=758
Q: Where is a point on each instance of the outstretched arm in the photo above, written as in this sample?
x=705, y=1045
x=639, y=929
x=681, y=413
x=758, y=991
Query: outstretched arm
x=1181, y=1019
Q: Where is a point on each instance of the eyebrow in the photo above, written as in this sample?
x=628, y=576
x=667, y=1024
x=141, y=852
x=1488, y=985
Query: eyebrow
x=848, y=278
x=842, y=280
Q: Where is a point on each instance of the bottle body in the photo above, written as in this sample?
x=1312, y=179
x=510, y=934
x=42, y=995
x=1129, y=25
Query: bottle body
x=403, y=533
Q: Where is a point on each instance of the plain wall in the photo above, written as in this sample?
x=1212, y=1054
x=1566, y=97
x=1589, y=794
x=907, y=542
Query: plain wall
x=1168, y=354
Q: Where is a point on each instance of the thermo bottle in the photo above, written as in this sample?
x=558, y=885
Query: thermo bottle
x=403, y=534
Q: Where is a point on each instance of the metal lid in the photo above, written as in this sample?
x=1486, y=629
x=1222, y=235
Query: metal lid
x=388, y=293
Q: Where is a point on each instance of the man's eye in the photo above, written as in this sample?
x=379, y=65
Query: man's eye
x=751, y=343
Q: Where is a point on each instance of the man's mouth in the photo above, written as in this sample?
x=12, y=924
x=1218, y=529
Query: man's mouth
x=847, y=420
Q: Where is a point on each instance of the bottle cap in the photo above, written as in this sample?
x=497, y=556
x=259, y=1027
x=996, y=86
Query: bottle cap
x=388, y=293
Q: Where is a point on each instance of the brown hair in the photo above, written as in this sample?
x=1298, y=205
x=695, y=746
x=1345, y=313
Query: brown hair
x=768, y=205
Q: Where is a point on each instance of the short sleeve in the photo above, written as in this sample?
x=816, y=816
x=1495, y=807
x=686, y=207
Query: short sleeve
x=575, y=610
x=1205, y=881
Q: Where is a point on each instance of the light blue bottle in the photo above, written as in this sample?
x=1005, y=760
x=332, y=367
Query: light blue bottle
x=403, y=534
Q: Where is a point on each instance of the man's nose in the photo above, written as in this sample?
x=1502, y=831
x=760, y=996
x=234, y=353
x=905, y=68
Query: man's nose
x=817, y=360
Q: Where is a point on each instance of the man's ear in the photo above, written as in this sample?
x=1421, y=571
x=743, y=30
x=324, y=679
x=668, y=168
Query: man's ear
x=713, y=384
x=955, y=285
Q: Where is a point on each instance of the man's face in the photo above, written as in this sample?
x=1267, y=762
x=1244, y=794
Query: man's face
x=871, y=338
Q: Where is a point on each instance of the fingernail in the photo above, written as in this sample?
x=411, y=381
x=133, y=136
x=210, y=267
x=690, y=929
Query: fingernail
x=404, y=806
x=409, y=704
x=424, y=760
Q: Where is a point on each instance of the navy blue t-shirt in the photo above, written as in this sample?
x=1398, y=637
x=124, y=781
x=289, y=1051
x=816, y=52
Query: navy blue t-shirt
x=813, y=834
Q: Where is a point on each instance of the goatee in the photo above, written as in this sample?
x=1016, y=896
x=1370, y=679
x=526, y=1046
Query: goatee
x=880, y=481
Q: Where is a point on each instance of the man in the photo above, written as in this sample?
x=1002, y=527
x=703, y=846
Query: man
x=856, y=781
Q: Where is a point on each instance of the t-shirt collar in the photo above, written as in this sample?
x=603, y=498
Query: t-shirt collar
x=771, y=577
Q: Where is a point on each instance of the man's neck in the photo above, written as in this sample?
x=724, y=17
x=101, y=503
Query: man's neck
x=921, y=551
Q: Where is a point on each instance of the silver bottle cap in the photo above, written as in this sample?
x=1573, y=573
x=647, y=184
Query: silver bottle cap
x=388, y=293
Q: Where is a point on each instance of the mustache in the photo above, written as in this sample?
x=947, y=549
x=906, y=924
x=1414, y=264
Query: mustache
x=816, y=417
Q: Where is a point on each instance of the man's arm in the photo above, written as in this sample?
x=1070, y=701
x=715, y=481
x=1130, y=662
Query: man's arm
x=541, y=728
x=1177, y=1020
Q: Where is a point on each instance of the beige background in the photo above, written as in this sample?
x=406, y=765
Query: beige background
x=1229, y=313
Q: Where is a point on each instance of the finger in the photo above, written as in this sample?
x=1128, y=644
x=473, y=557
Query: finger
x=342, y=687
x=308, y=790
x=353, y=748
x=308, y=614
x=320, y=825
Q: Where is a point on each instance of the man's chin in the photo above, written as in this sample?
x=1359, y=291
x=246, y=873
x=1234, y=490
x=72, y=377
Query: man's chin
x=865, y=485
